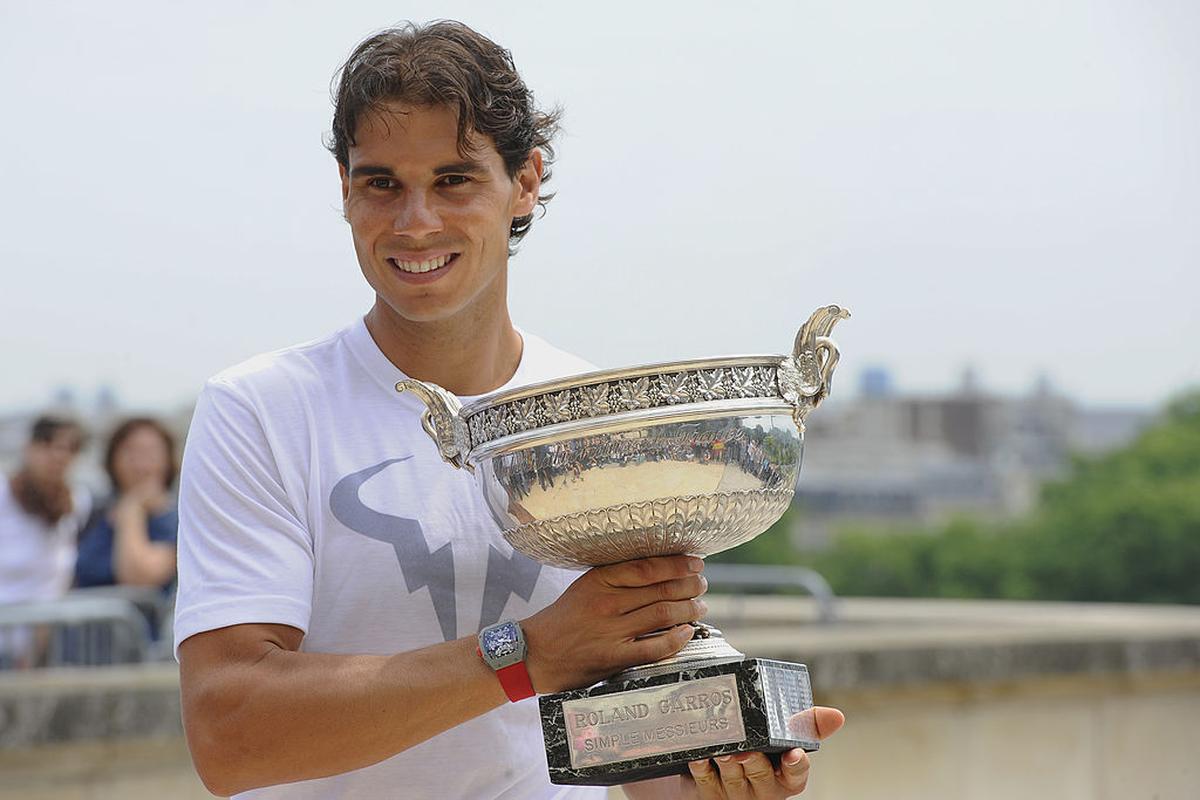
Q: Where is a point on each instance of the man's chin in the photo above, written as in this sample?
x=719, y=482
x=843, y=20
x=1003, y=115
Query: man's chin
x=405, y=310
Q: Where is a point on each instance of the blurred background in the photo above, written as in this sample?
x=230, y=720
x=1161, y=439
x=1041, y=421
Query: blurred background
x=1006, y=195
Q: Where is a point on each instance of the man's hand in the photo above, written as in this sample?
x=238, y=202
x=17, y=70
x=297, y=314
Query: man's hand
x=592, y=630
x=750, y=776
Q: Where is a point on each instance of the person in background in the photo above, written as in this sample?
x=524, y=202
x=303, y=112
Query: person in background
x=40, y=515
x=130, y=541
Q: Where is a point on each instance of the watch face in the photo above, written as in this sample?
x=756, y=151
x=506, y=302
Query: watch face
x=501, y=640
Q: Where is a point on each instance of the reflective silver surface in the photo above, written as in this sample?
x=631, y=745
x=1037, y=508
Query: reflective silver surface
x=692, y=485
x=684, y=457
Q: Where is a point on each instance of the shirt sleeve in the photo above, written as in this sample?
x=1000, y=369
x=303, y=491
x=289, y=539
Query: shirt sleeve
x=245, y=555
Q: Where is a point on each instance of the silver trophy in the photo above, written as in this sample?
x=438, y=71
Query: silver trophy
x=689, y=457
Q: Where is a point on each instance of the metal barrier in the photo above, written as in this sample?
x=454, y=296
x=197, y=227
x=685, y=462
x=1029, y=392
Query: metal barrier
x=157, y=607
x=88, y=627
x=767, y=577
x=72, y=631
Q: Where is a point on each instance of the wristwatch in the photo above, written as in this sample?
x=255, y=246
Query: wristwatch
x=502, y=647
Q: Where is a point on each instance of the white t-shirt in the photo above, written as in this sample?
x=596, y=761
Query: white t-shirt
x=311, y=497
x=37, y=560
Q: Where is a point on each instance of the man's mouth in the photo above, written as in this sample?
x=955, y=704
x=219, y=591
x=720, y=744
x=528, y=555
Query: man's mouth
x=428, y=265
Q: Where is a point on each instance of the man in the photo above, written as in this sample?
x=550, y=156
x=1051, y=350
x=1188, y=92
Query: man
x=333, y=571
x=40, y=516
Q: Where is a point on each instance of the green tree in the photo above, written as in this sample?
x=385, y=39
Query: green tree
x=1125, y=526
x=1121, y=527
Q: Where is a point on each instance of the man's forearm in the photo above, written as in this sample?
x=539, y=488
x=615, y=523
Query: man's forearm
x=291, y=716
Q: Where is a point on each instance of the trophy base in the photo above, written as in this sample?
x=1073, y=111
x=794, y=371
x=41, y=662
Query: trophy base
x=634, y=728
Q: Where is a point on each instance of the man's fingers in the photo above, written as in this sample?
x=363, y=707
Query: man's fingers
x=793, y=770
x=677, y=589
x=659, y=646
x=664, y=615
x=828, y=720
x=818, y=722
x=648, y=571
x=733, y=779
x=707, y=780
x=759, y=772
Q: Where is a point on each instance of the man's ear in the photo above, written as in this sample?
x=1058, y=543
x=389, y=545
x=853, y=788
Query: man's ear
x=528, y=184
x=345, y=178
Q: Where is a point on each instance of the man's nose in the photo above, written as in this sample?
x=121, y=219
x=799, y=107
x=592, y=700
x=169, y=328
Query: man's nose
x=416, y=216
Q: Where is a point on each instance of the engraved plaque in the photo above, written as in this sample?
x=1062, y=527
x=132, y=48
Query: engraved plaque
x=654, y=720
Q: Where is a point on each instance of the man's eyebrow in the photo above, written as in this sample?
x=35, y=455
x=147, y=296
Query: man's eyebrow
x=457, y=168
x=370, y=170
x=460, y=168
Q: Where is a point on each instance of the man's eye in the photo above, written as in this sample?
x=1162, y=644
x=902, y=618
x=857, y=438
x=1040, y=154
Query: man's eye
x=454, y=180
x=380, y=183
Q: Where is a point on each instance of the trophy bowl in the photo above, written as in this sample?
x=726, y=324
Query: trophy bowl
x=689, y=457
x=682, y=457
x=659, y=474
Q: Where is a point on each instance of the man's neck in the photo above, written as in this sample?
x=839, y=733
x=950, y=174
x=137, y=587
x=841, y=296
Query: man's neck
x=470, y=354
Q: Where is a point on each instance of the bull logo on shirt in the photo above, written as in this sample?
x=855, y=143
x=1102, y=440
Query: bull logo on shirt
x=423, y=567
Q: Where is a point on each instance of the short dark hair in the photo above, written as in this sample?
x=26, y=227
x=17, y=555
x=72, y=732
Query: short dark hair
x=47, y=426
x=127, y=429
x=445, y=63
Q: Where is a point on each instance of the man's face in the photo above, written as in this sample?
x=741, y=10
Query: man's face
x=431, y=225
x=48, y=462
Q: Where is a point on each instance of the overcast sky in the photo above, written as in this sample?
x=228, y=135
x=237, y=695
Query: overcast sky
x=1014, y=185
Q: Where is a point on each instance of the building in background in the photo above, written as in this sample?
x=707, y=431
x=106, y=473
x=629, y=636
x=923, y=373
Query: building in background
x=884, y=457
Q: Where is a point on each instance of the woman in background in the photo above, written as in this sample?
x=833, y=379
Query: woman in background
x=131, y=540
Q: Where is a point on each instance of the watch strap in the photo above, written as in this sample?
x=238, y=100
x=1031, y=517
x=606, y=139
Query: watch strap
x=514, y=680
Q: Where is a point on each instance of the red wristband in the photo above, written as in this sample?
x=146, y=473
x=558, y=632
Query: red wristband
x=514, y=680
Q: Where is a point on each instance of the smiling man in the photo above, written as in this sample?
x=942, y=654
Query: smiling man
x=333, y=573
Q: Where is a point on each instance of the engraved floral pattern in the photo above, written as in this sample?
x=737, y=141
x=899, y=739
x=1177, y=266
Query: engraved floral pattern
x=712, y=384
x=593, y=400
x=673, y=387
x=558, y=406
x=742, y=382
x=648, y=391
x=495, y=423
x=524, y=415
x=766, y=381
x=634, y=394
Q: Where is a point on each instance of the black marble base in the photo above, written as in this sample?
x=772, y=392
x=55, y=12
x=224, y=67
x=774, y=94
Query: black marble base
x=654, y=726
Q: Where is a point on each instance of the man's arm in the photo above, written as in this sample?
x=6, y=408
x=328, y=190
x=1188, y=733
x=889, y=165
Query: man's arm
x=258, y=712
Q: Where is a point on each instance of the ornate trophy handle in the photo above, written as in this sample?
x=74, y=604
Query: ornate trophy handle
x=442, y=421
x=807, y=374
